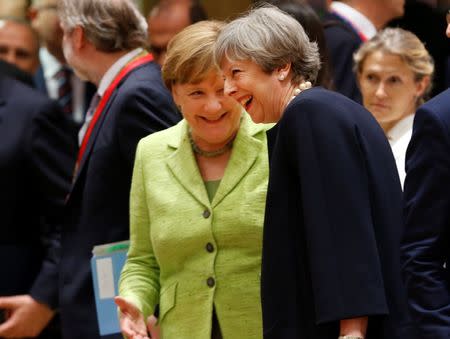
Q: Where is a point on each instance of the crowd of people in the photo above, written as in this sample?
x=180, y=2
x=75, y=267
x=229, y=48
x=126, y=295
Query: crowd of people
x=279, y=175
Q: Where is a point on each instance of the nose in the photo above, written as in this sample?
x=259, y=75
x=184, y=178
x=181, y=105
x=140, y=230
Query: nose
x=213, y=105
x=10, y=57
x=229, y=87
x=380, y=91
x=448, y=30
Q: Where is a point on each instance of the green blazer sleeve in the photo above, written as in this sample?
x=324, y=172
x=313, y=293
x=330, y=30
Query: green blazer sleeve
x=139, y=281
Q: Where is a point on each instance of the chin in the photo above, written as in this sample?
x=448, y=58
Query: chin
x=257, y=118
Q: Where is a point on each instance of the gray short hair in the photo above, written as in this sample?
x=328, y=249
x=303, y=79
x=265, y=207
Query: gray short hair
x=111, y=25
x=271, y=38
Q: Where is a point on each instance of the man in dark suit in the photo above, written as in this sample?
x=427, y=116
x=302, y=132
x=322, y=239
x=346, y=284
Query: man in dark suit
x=426, y=242
x=37, y=154
x=103, y=43
x=54, y=77
x=348, y=24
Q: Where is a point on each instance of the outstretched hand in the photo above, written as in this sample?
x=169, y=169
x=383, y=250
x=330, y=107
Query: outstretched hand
x=132, y=322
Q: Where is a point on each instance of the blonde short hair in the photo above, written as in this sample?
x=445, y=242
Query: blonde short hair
x=399, y=42
x=190, y=53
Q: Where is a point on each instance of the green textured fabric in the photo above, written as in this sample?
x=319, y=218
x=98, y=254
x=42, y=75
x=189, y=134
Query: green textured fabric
x=172, y=222
x=211, y=188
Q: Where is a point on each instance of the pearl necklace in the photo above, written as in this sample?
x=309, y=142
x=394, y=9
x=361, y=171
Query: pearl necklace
x=303, y=86
x=209, y=154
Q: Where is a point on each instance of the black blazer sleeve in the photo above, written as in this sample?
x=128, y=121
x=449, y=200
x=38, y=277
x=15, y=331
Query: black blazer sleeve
x=426, y=248
x=339, y=229
x=52, y=149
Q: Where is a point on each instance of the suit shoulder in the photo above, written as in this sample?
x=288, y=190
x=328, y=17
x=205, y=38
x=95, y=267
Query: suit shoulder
x=147, y=72
x=24, y=98
x=323, y=101
x=326, y=110
x=159, y=140
x=439, y=105
x=336, y=28
x=22, y=92
x=437, y=109
x=145, y=81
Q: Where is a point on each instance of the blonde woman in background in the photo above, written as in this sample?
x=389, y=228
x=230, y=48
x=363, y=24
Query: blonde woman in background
x=394, y=72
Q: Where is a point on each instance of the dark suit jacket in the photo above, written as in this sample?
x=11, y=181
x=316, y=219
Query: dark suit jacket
x=98, y=206
x=37, y=155
x=342, y=41
x=10, y=70
x=426, y=243
x=331, y=247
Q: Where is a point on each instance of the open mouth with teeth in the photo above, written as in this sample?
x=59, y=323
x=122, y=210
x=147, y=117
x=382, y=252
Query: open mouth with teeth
x=212, y=120
x=247, y=102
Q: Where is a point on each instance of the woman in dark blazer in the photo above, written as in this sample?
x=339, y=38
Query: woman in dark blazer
x=333, y=215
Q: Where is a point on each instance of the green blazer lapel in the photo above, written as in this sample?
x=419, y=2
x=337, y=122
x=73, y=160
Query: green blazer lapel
x=183, y=166
x=246, y=149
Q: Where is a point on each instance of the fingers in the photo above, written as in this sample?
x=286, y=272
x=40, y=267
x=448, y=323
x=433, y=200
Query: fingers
x=151, y=321
x=8, y=302
x=121, y=303
x=126, y=307
x=7, y=328
x=152, y=327
x=131, y=320
x=132, y=330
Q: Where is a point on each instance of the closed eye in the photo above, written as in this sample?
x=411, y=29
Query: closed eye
x=195, y=93
x=235, y=71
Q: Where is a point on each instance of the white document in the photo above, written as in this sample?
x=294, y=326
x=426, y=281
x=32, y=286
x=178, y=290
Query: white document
x=105, y=278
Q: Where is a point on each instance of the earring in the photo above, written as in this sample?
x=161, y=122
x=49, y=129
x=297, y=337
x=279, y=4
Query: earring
x=281, y=77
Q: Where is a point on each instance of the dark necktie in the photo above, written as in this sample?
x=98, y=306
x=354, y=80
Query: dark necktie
x=65, y=97
x=89, y=114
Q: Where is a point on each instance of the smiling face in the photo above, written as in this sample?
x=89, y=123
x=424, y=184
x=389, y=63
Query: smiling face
x=389, y=88
x=261, y=94
x=213, y=117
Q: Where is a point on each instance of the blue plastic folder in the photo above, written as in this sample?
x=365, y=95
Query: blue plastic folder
x=106, y=265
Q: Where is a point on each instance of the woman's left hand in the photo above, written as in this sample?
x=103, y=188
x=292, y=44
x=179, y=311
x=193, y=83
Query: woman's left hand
x=132, y=322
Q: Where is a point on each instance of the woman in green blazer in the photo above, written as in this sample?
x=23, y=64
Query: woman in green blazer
x=197, y=208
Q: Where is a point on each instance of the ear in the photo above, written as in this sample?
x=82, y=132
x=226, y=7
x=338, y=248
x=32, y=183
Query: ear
x=358, y=79
x=176, y=96
x=422, y=85
x=79, y=38
x=283, y=71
